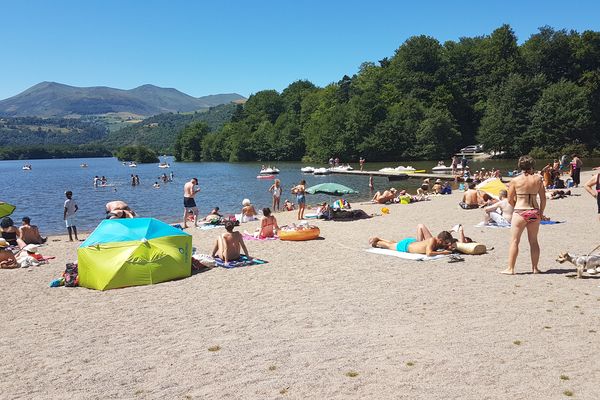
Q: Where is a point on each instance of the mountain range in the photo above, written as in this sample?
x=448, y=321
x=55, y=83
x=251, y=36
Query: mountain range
x=51, y=99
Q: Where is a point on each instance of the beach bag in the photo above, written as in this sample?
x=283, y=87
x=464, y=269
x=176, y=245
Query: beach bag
x=71, y=275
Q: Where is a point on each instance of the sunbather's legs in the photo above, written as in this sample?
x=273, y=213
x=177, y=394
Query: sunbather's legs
x=423, y=233
x=217, y=249
x=382, y=243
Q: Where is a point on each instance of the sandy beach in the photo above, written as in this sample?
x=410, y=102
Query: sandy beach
x=323, y=319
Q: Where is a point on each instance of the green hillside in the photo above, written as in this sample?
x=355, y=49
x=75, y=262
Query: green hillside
x=160, y=131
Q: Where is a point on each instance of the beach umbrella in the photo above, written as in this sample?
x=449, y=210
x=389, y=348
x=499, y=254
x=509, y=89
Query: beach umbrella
x=132, y=252
x=492, y=186
x=6, y=209
x=332, y=189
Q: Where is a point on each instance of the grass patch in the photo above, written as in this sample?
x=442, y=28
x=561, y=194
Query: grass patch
x=564, y=377
x=214, y=348
x=284, y=390
x=352, y=374
x=410, y=363
x=568, y=393
x=138, y=392
x=517, y=342
x=272, y=368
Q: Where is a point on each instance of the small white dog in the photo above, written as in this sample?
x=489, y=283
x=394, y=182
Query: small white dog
x=589, y=263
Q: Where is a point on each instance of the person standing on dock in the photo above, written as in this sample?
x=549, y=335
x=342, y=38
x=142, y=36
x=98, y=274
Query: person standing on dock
x=361, y=162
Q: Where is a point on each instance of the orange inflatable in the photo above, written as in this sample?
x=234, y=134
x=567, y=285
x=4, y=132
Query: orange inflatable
x=302, y=234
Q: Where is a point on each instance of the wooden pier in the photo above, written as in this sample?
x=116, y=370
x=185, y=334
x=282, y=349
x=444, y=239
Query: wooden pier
x=397, y=176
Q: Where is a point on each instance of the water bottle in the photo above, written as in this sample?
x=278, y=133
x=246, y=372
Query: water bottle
x=57, y=282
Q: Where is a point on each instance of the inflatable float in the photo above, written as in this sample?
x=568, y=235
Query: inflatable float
x=265, y=177
x=309, y=233
x=471, y=248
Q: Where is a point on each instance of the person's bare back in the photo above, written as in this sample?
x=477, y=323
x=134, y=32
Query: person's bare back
x=470, y=197
x=229, y=245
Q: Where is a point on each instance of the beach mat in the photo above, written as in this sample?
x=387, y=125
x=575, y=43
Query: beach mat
x=403, y=255
x=209, y=227
x=243, y=261
x=483, y=225
x=248, y=236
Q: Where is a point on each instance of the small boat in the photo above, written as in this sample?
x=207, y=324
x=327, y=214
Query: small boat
x=164, y=165
x=387, y=169
x=84, y=165
x=132, y=165
x=308, y=170
x=26, y=167
x=265, y=177
x=321, y=171
x=404, y=169
x=443, y=168
x=342, y=168
x=269, y=171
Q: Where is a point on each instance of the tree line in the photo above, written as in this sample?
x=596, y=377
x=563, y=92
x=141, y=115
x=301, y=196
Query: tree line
x=425, y=102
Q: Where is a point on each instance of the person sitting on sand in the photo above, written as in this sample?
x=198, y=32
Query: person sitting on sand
x=437, y=186
x=228, y=245
x=424, y=189
x=470, y=199
x=486, y=200
x=30, y=234
x=499, y=213
x=424, y=243
x=248, y=211
x=268, y=225
x=10, y=232
x=384, y=197
x=7, y=258
x=118, y=209
x=288, y=205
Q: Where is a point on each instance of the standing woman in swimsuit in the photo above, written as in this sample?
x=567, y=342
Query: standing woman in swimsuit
x=276, y=190
x=576, y=170
x=523, y=194
x=298, y=190
x=594, y=180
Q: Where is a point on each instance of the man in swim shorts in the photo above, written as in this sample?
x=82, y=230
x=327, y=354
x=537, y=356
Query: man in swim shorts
x=189, y=203
x=424, y=243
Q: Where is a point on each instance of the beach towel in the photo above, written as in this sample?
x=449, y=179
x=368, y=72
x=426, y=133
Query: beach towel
x=243, y=261
x=208, y=227
x=484, y=225
x=406, y=256
x=248, y=236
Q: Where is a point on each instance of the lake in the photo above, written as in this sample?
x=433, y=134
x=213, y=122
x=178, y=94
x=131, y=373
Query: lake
x=39, y=193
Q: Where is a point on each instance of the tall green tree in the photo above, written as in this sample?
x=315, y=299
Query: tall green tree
x=188, y=146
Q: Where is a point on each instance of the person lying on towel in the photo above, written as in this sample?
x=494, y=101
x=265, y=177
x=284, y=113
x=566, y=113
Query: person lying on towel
x=424, y=243
x=228, y=245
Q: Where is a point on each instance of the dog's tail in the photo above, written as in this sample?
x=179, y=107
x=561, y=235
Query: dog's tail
x=595, y=248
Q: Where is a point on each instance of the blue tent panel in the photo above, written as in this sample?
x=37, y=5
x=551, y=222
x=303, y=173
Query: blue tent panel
x=128, y=229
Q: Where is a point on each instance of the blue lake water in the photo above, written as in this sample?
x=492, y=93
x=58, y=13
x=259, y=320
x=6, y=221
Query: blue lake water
x=39, y=193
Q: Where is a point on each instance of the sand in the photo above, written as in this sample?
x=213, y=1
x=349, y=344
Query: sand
x=322, y=320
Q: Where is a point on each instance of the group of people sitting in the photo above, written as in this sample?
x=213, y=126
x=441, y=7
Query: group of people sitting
x=21, y=236
x=392, y=195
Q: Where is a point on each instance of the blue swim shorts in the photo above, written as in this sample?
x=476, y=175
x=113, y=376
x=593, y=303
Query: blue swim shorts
x=404, y=243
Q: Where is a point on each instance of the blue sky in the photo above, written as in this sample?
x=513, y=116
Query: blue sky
x=202, y=47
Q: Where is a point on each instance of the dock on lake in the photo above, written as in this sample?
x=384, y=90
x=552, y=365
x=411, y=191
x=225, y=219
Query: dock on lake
x=398, y=176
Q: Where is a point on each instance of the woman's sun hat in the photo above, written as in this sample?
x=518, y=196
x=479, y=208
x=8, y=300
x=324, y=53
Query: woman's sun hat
x=246, y=202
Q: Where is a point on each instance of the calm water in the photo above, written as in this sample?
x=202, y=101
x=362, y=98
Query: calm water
x=39, y=193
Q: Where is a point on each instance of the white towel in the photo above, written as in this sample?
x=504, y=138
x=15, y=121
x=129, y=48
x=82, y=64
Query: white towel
x=406, y=256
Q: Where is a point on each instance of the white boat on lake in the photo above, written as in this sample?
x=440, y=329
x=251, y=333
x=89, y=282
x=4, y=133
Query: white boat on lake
x=321, y=171
x=307, y=170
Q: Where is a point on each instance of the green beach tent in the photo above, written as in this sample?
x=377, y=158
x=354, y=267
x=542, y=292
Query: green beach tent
x=132, y=252
x=6, y=209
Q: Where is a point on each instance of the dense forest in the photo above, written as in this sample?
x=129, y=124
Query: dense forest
x=31, y=152
x=425, y=102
